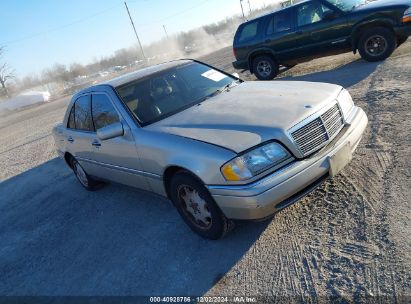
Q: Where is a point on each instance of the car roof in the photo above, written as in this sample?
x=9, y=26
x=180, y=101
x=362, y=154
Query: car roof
x=124, y=79
x=275, y=12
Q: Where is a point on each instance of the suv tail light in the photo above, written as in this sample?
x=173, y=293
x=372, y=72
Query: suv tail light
x=235, y=52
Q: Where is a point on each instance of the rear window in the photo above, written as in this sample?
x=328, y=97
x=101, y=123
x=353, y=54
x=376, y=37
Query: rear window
x=280, y=22
x=82, y=114
x=248, y=32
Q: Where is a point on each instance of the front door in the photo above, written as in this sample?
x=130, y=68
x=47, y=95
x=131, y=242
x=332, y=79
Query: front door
x=280, y=35
x=317, y=35
x=114, y=159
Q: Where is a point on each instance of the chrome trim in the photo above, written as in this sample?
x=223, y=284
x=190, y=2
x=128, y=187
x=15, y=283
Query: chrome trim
x=312, y=118
x=123, y=169
x=338, y=41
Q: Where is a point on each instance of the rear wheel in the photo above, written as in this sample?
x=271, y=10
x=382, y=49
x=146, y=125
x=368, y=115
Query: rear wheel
x=197, y=207
x=265, y=68
x=401, y=40
x=377, y=44
x=85, y=180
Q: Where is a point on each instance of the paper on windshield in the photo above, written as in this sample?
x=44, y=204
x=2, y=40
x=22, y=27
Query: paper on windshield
x=214, y=75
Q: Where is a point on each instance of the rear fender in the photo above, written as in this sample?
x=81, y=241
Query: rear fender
x=256, y=53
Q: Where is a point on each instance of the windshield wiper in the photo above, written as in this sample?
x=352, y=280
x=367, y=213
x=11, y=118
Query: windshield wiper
x=219, y=91
x=223, y=89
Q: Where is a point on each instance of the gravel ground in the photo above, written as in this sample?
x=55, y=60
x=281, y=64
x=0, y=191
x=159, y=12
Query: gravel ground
x=349, y=238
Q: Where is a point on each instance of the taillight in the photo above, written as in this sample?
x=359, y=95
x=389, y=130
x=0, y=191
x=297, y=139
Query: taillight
x=235, y=52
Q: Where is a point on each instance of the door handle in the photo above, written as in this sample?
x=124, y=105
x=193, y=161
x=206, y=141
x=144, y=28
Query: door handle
x=268, y=41
x=70, y=139
x=299, y=32
x=96, y=143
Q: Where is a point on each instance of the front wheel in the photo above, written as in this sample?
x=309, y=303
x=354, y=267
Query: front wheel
x=377, y=44
x=197, y=207
x=265, y=68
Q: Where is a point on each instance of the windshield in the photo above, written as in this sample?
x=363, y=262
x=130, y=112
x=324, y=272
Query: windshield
x=347, y=5
x=174, y=90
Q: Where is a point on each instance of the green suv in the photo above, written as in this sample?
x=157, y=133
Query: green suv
x=318, y=28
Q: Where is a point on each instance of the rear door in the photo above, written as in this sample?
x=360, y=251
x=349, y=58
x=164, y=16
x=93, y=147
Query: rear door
x=280, y=34
x=114, y=159
x=316, y=34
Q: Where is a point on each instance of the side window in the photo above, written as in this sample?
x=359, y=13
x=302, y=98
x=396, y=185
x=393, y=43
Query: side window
x=82, y=114
x=310, y=13
x=249, y=31
x=280, y=22
x=103, y=111
x=71, y=124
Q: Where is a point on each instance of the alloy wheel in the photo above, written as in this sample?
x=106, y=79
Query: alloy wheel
x=264, y=68
x=376, y=45
x=81, y=174
x=195, y=207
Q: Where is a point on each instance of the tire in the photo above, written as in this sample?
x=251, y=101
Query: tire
x=401, y=40
x=377, y=44
x=85, y=180
x=265, y=68
x=204, y=217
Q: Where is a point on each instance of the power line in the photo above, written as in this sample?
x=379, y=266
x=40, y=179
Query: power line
x=87, y=18
x=62, y=26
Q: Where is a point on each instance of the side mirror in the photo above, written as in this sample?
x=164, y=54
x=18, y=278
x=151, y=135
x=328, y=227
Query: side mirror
x=111, y=131
x=329, y=15
x=236, y=75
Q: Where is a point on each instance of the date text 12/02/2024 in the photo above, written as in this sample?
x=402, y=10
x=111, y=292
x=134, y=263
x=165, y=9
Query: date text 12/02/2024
x=235, y=299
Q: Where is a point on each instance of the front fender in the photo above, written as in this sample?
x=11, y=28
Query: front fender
x=369, y=22
x=159, y=151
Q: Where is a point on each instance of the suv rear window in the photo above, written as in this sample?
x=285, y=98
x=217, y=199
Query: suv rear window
x=248, y=32
x=280, y=22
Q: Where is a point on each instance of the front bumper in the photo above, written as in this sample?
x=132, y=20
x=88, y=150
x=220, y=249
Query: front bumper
x=272, y=193
x=403, y=30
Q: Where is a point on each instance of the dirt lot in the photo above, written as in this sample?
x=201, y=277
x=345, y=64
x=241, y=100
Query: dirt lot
x=349, y=238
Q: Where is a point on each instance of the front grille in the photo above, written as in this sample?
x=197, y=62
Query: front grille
x=318, y=132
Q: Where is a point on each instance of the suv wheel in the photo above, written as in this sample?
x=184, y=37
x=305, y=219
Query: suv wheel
x=377, y=44
x=197, y=207
x=265, y=68
x=401, y=40
x=85, y=180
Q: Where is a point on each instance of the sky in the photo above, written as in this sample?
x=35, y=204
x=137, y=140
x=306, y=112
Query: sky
x=39, y=33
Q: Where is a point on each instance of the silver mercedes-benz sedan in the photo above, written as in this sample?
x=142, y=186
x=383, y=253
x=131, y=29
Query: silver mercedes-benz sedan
x=218, y=147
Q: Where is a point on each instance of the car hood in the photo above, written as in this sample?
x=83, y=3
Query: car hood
x=250, y=113
x=382, y=4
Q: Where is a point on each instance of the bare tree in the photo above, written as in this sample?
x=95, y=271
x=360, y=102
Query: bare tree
x=6, y=73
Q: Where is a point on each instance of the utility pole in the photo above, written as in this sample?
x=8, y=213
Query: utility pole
x=242, y=9
x=164, y=27
x=135, y=32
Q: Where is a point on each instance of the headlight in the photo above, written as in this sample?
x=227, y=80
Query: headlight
x=407, y=15
x=254, y=162
x=346, y=103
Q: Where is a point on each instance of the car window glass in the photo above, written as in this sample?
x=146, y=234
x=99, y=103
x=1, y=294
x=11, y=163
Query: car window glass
x=71, y=124
x=82, y=114
x=104, y=113
x=171, y=91
x=280, y=22
x=310, y=13
x=249, y=31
